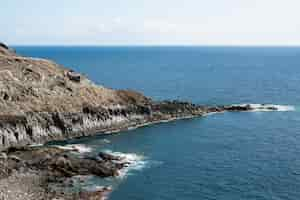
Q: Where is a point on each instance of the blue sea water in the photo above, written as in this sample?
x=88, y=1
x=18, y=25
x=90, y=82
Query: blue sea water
x=229, y=156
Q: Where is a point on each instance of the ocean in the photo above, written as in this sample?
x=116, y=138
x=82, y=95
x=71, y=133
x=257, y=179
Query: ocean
x=225, y=156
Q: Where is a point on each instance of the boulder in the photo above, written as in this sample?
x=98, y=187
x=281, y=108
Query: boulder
x=3, y=46
x=107, y=156
x=6, y=50
x=73, y=76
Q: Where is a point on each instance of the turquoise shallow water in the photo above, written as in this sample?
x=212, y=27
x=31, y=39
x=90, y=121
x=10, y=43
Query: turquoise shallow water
x=253, y=155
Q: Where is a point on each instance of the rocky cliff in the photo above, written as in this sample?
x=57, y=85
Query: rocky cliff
x=42, y=101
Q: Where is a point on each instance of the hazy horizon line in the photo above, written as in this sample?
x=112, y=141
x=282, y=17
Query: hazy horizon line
x=153, y=45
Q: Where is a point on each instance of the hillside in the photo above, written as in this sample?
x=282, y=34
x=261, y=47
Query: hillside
x=39, y=85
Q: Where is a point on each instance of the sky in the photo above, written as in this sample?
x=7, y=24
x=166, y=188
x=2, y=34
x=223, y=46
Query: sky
x=150, y=22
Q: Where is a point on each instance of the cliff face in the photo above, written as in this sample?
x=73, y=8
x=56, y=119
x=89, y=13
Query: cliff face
x=42, y=101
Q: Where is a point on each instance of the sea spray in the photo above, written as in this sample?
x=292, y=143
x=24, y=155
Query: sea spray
x=135, y=162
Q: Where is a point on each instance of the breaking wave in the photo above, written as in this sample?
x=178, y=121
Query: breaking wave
x=135, y=162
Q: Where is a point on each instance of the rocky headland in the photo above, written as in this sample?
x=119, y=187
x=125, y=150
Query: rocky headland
x=41, y=101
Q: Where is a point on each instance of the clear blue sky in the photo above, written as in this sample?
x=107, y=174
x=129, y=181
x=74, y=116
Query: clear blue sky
x=150, y=22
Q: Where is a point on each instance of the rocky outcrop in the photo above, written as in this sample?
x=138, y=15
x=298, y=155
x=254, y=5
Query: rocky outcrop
x=59, y=163
x=39, y=127
x=41, y=101
x=4, y=49
x=53, y=168
x=4, y=46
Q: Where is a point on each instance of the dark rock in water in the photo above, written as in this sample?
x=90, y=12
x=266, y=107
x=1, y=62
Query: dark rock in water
x=216, y=109
x=272, y=108
x=238, y=108
x=107, y=156
x=59, y=163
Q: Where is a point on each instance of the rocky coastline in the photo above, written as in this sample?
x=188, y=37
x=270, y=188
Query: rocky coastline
x=41, y=101
x=44, y=169
x=36, y=128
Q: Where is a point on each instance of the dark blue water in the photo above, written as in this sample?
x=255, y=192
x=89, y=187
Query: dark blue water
x=230, y=156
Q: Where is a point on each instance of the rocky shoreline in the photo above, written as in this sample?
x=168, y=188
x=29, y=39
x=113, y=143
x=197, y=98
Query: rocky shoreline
x=46, y=172
x=41, y=127
x=44, y=168
x=41, y=101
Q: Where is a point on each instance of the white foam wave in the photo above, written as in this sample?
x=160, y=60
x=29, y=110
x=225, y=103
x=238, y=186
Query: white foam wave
x=80, y=148
x=99, y=188
x=270, y=107
x=36, y=145
x=212, y=113
x=135, y=162
x=106, y=141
